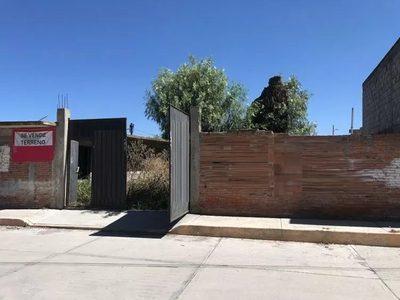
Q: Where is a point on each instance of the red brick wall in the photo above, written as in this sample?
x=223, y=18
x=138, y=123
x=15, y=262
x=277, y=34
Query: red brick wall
x=264, y=174
x=24, y=185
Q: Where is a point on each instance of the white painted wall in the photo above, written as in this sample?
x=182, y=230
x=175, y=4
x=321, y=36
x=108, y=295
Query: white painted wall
x=390, y=175
x=4, y=158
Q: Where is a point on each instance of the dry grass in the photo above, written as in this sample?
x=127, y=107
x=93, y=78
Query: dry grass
x=150, y=190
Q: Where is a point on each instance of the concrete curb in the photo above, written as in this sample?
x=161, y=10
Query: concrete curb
x=14, y=222
x=289, y=235
x=26, y=223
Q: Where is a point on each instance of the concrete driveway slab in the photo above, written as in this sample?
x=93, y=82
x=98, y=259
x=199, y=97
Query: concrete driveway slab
x=385, y=262
x=42, y=240
x=74, y=264
x=12, y=260
x=309, y=258
x=234, y=283
x=170, y=249
x=97, y=281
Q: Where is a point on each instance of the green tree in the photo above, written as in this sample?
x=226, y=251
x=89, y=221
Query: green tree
x=298, y=107
x=269, y=111
x=282, y=108
x=197, y=83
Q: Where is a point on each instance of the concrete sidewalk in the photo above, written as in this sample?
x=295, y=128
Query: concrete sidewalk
x=296, y=230
x=156, y=222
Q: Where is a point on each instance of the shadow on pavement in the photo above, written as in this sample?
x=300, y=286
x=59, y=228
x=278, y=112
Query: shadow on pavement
x=91, y=210
x=146, y=224
x=349, y=223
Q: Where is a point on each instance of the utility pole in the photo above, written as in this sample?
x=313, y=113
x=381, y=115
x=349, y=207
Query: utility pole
x=352, y=119
x=334, y=129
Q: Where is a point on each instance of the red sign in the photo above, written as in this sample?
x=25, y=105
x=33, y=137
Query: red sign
x=33, y=144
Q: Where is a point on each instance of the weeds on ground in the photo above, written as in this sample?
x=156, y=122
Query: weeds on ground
x=84, y=192
x=149, y=188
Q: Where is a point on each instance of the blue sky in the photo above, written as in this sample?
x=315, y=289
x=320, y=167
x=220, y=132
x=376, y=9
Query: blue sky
x=105, y=53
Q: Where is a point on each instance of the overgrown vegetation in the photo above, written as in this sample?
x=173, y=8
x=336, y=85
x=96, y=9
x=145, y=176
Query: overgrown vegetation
x=197, y=83
x=84, y=192
x=148, y=178
x=282, y=106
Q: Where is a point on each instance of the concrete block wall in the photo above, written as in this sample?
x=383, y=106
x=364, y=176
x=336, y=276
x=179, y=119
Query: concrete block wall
x=381, y=95
x=275, y=175
x=23, y=184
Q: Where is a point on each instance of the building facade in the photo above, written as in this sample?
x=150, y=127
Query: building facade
x=381, y=95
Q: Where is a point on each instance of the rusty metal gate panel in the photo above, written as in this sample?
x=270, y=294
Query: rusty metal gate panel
x=109, y=169
x=179, y=163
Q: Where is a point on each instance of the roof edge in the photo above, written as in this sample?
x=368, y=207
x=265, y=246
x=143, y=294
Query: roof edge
x=146, y=138
x=397, y=43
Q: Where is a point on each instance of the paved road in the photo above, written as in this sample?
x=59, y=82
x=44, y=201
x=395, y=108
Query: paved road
x=62, y=264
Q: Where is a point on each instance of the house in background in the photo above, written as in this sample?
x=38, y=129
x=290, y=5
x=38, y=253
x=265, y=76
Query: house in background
x=154, y=143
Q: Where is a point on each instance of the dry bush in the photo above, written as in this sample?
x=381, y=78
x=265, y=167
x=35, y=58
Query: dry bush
x=137, y=154
x=150, y=189
x=84, y=192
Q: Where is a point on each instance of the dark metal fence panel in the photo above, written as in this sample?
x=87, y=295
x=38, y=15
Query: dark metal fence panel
x=109, y=169
x=179, y=172
x=83, y=130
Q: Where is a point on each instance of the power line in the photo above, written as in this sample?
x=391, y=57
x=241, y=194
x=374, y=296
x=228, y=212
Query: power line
x=145, y=132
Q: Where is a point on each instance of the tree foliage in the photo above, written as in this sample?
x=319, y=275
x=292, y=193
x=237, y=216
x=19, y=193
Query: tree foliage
x=197, y=83
x=270, y=109
x=282, y=108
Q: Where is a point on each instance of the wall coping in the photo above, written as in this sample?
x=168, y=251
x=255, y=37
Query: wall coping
x=27, y=124
x=240, y=132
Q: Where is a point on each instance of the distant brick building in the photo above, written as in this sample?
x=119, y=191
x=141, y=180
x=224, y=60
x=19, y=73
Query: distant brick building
x=381, y=95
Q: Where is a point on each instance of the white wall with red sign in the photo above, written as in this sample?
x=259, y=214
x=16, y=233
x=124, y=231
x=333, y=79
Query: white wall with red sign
x=33, y=144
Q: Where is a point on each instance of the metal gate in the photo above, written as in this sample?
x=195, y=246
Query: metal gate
x=73, y=170
x=179, y=163
x=109, y=169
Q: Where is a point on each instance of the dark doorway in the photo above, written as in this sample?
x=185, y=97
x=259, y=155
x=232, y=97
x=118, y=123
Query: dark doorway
x=102, y=159
x=85, y=161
